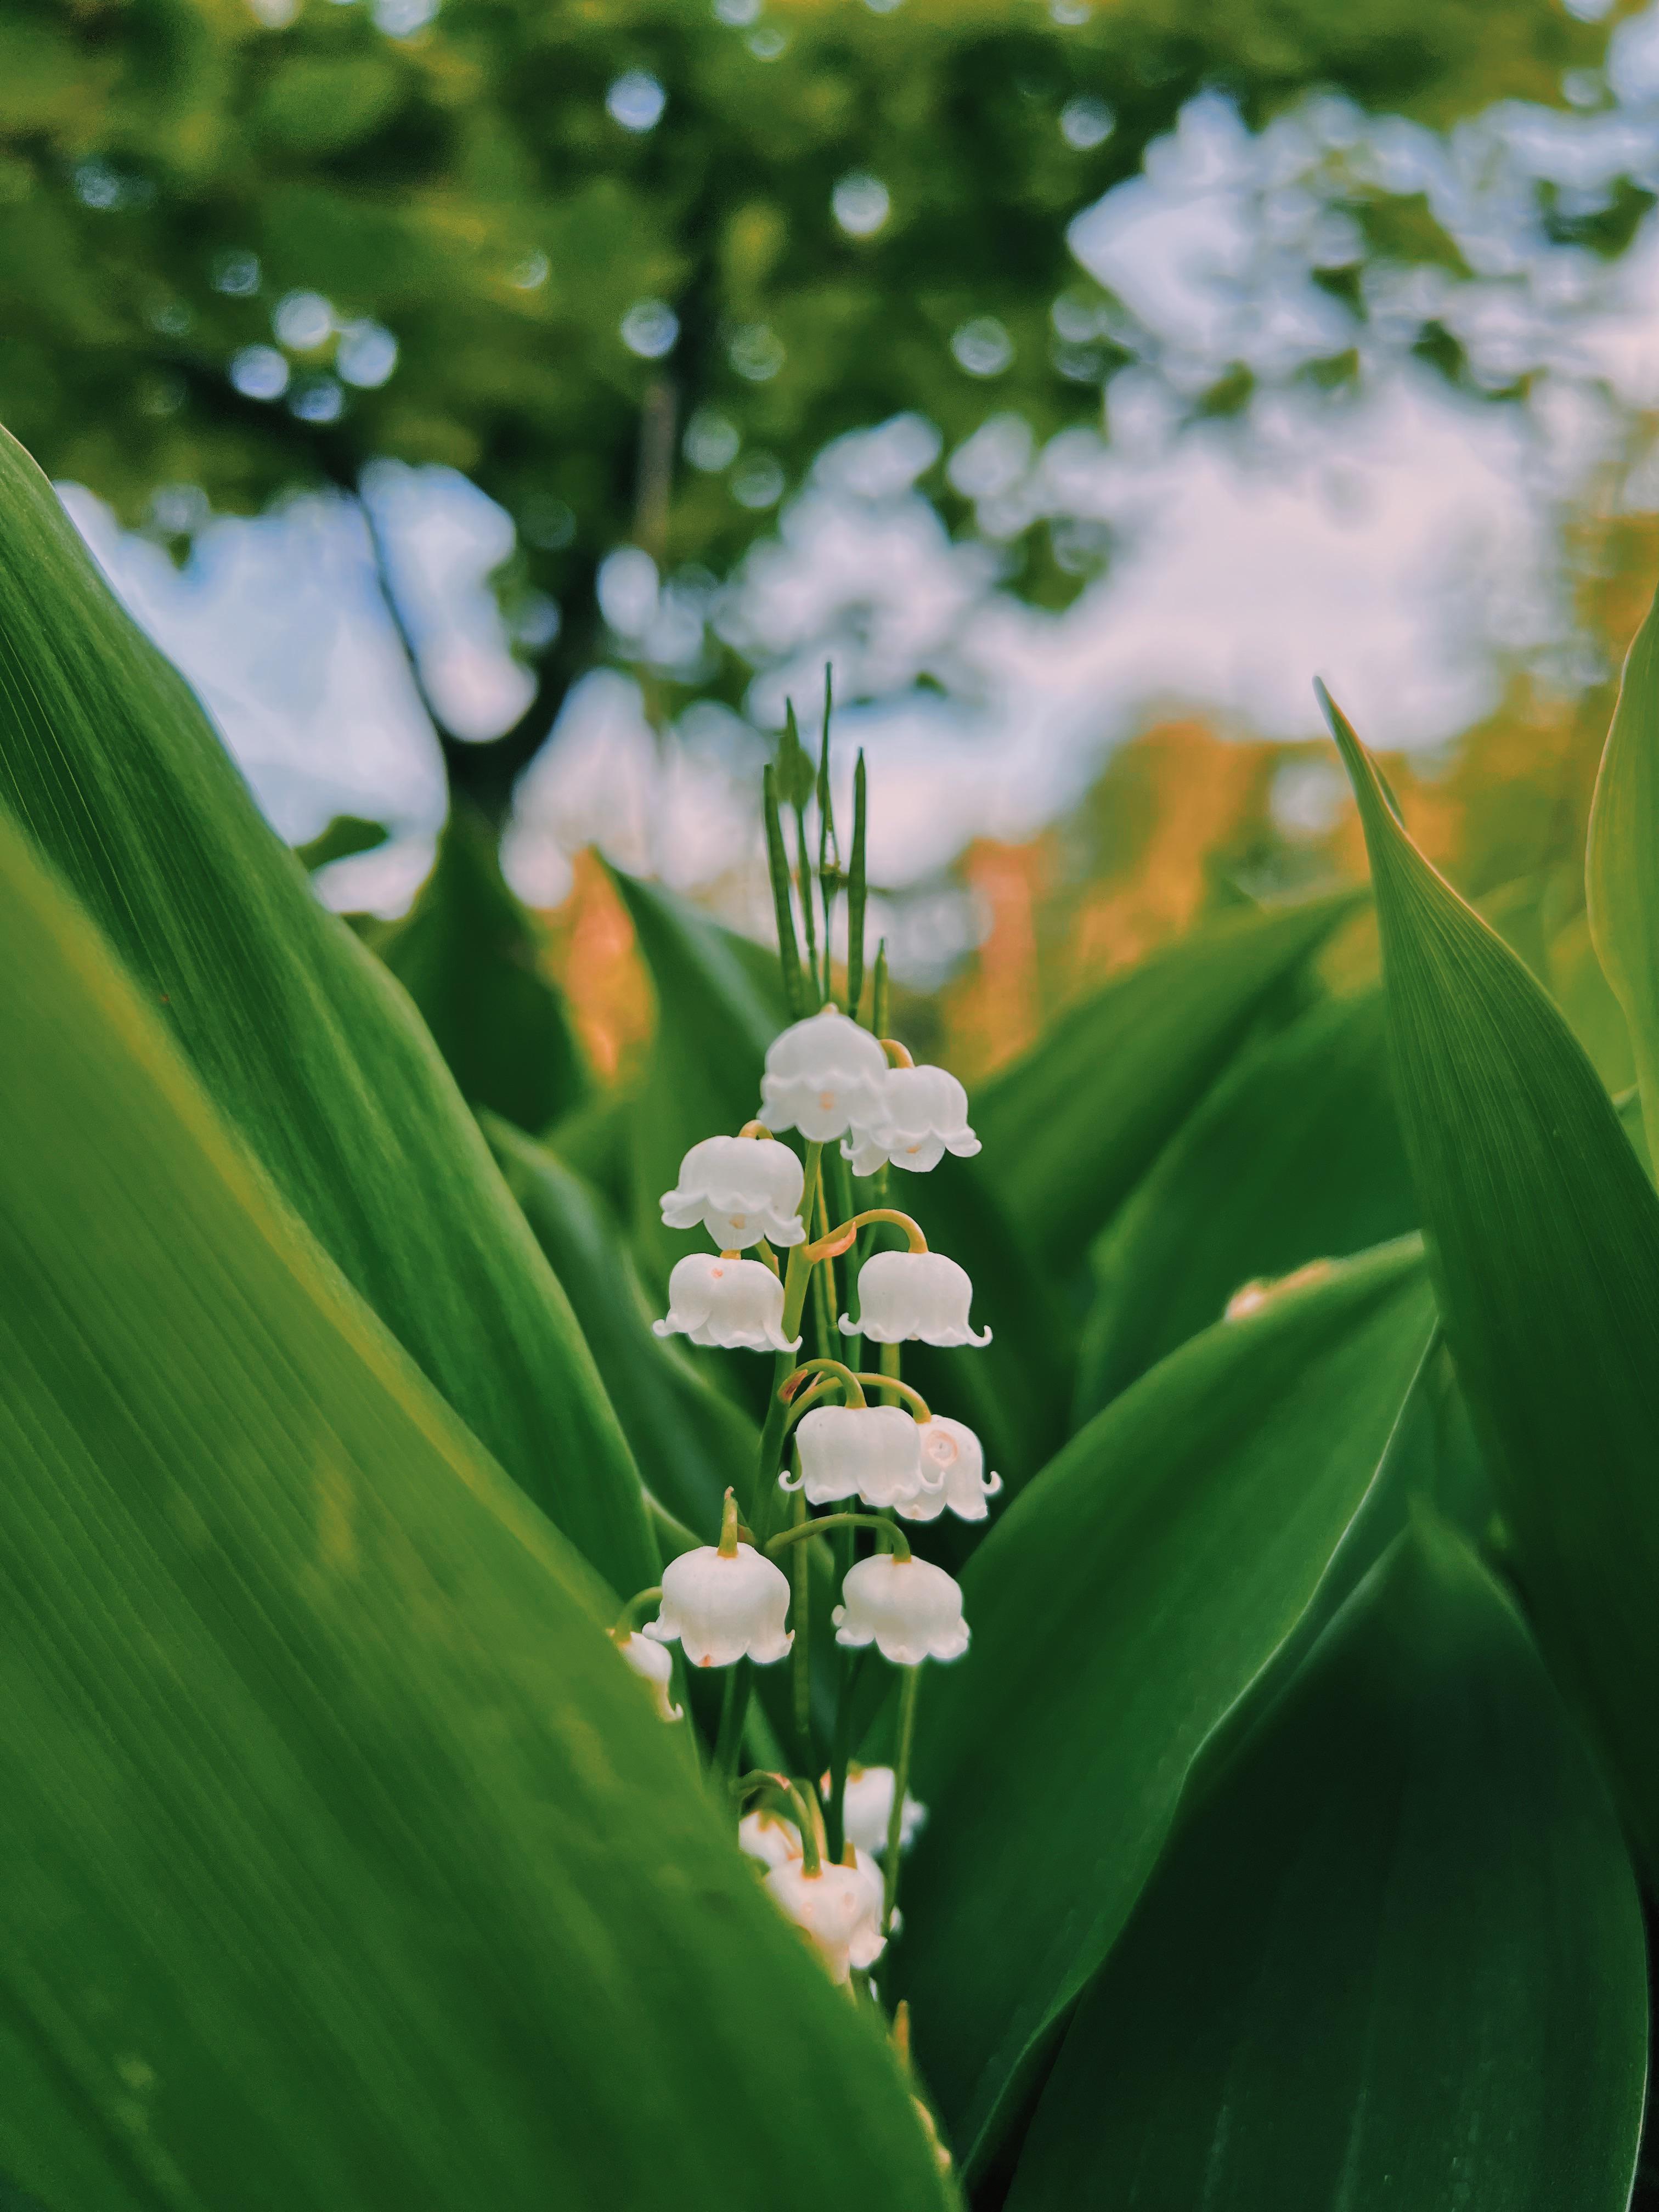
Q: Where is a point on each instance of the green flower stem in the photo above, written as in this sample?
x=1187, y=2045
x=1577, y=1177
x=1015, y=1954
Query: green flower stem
x=897, y=1543
x=627, y=1618
x=796, y=1805
x=892, y=1390
x=841, y=1745
x=841, y=1182
x=906, y=1734
x=734, y=1702
x=823, y=1275
x=835, y=1370
x=801, y=1658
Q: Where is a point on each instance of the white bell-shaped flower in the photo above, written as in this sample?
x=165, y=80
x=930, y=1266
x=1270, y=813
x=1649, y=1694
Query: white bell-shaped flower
x=836, y=1910
x=767, y=1836
x=724, y=1608
x=867, y=1808
x=922, y=1113
x=735, y=1302
x=650, y=1661
x=950, y=1450
x=913, y=1295
x=741, y=1189
x=822, y=1077
x=870, y=1452
x=909, y=1609
x=868, y=1940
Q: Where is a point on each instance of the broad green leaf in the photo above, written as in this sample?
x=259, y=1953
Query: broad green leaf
x=301, y=1037
x=1126, y=1601
x=1622, y=865
x=1544, y=1236
x=687, y=1437
x=1074, y=1125
x=344, y=1863
x=1396, y=1958
x=1294, y=1157
x=466, y=954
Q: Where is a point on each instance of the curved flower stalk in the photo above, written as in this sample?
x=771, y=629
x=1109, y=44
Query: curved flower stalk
x=822, y=1077
x=724, y=1602
x=954, y=1456
x=867, y=1810
x=920, y=1297
x=909, y=1609
x=741, y=1189
x=769, y=1837
x=869, y=1452
x=920, y=1113
x=718, y=1298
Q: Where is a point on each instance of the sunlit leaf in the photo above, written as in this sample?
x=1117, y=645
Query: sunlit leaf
x=344, y=1863
x=1294, y=1158
x=1622, y=865
x=301, y=1039
x=1075, y=1124
x=1395, y=1958
x=1545, y=1238
x=1123, y=1605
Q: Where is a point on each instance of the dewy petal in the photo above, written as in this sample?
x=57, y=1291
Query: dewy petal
x=867, y=1807
x=648, y=1659
x=734, y=1303
x=909, y=1609
x=822, y=1077
x=740, y=1188
x=722, y=1610
x=870, y=1452
x=906, y=1296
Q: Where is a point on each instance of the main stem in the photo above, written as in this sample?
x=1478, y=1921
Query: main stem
x=907, y=1732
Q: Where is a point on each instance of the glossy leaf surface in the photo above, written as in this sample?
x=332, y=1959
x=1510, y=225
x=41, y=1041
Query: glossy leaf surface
x=344, y=1863
x=301, y=1037
x=1074, y=1125
x=1394, y=1959
x=1545, y=1238
x=1126, y=1601
x=1622, y=864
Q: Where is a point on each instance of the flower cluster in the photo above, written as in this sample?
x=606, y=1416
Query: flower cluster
x=866, y=1447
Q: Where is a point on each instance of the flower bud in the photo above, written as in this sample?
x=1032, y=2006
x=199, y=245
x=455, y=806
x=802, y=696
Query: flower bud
x=838, y=1908
x=651, y=1662
x=822, y=1077
x=767, y=1836
x=922, y=1113
x=905, y=1295
x=741, y=1189
x=909, y=1609
x=950, y=1449
x=735, y=1302
x=867, y=1808
x=870, y=1452
x=724, y=1609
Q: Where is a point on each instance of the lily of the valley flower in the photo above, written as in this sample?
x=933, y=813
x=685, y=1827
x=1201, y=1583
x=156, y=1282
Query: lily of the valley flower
x=867, y=1808
x=912, y=1295
x=769, y=1837
x=838, y=1907
x=724, y=1607
x=650, y=1661
x=740, y=1188
x=955, y=1458
x=822, y=1077
x=922, y=1113
x=714, y=1297
x=909, y=1609
x=870, y=1452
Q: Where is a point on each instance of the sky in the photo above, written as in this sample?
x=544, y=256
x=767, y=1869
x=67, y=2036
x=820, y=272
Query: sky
x=1402, y=542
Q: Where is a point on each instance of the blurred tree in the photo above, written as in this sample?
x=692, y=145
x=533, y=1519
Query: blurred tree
x=627, y=263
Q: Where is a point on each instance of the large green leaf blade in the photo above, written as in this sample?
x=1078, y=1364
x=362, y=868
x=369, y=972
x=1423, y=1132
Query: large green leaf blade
x=344, y=1863
x=1621, y=872
x=1544, y=1233
x=1074, y=1125
x=1125, y=1603
x=1396, y=1958
x=299, y=1037
x=1295, y=1156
